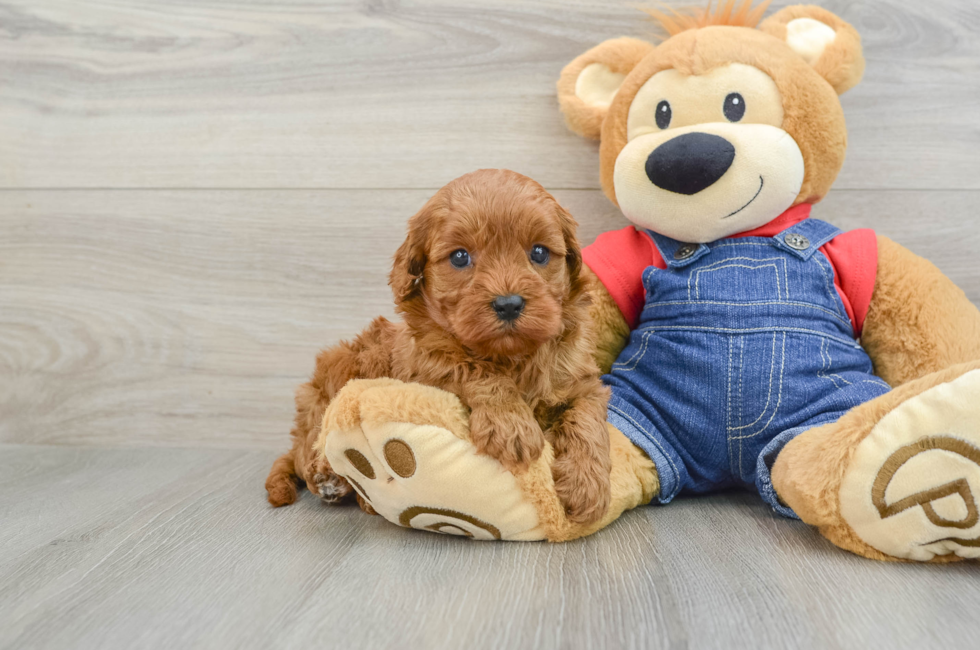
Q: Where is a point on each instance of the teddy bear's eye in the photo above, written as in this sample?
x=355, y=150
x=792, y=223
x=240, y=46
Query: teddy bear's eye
x=734, y=107
x=460, y=258
x=663, y=114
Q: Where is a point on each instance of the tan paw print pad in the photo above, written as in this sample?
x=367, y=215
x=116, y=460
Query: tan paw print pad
x=420, y=475
x=912, y=487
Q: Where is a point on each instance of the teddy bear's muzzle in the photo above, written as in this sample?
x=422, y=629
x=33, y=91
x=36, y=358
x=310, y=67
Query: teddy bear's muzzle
x=690, y=163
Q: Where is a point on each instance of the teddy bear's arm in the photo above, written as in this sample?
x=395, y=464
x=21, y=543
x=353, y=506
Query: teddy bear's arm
x=918, y=321
x=612, y=330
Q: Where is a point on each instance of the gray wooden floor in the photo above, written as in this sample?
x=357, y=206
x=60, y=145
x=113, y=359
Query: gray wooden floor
x=195, y=195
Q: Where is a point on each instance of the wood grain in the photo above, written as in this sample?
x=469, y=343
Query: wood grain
x=376, y=94
x=187, y=318
x=153, y=325
x=176, y=548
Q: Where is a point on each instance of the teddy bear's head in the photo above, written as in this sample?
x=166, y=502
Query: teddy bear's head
x=723, y=126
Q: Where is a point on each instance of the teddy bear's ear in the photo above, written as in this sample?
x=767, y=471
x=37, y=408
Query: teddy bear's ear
x=589, y=83
x=823, y=40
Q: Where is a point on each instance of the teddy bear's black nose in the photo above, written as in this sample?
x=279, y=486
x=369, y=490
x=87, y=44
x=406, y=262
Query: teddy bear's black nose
x=508, y=308
x=690, y=163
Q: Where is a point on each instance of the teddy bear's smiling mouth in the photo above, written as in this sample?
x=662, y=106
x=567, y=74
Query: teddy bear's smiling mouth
x=762, y=182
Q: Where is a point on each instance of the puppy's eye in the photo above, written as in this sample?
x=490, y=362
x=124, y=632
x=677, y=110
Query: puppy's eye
x=540, y=254
x=460, y=258
x=734, y=107
x=663, y=114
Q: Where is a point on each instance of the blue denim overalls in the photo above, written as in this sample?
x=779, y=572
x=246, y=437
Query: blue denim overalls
x=742, y=345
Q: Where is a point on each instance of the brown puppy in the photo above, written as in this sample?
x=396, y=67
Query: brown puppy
x=495, y=312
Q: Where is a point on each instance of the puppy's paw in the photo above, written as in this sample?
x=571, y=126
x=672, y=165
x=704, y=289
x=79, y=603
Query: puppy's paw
x=582, y=488
x=332, y=488
x=281, y=490
x=513, y=438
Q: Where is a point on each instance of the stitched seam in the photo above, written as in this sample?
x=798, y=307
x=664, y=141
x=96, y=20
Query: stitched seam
x=806, y=305
x=697, y=276
x=779, y=397
x=741, y=364
x=876, y=382
x=699, y=328
x=835, y=299
x=637, y=356
x=663, y=254
x=728, y=411
x=824, y=359
x=747, y=243
x=772, y=370
x=830, y=365
x=728, y=264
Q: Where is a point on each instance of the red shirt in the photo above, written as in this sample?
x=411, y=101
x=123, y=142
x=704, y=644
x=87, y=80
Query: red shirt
x=620, y=257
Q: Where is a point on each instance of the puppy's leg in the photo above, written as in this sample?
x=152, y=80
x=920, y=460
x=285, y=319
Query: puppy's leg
x=367, y=356
x=502, y=425
x=581, y=467
x=281, y=483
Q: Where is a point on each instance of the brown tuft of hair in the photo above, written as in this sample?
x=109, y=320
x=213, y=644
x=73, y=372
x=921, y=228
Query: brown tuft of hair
x=728, y=12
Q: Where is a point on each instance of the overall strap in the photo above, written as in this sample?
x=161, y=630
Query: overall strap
x=677, y=254
x=805, y=238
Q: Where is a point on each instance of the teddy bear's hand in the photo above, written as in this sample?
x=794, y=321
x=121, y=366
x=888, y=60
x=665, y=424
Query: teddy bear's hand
x=510, y=435
x=406, y=450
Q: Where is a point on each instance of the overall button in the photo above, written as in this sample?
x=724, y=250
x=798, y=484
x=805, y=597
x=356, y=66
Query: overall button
x=685, y=251
x=797, y=241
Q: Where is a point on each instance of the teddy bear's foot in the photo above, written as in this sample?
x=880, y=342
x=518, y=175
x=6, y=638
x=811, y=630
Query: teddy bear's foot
x=911, y=487
x=406, y=450
x=897, y=478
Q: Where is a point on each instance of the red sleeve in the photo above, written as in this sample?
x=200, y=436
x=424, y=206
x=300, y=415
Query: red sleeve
x=619, y=259
x=854, y=257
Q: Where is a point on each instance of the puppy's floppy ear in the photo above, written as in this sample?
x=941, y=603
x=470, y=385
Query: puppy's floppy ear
x=823, y=40
x=588, y=84
x=573, y=252
x=408, y=268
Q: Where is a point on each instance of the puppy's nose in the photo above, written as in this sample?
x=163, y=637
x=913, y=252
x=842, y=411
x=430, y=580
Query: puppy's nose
x=690, y=163
x=508, y=308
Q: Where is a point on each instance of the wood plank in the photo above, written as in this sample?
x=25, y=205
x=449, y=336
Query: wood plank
x=176, y=548
x=188, y=317
x=344, y=94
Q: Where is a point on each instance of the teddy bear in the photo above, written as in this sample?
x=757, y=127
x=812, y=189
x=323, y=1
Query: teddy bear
x=746, y=343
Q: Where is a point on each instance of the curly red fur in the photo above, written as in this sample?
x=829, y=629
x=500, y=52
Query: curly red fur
x=525, y=382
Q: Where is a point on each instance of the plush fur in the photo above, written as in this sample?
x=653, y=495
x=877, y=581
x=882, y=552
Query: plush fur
x=841, y=63
x=921, y=331
x=612, y=332
x=620, y=56
x=524, y=382
x=728, y=12
x=919, y=321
